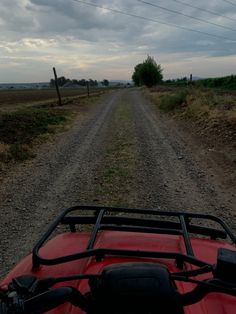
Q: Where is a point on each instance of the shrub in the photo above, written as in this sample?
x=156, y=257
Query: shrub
x=23, y=126
x=19, y=129
x=170, y=102
x=19, y=152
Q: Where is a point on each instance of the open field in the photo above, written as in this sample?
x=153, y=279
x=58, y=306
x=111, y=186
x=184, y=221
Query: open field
x=29, y=96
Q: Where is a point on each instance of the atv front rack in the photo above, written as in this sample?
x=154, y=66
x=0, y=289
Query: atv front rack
x=134, y=220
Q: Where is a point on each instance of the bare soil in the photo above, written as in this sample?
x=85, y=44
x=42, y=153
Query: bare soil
x=14, y=97
x=120, y=151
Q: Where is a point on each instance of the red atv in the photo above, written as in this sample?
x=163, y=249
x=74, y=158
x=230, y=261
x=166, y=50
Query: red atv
x=131, y=261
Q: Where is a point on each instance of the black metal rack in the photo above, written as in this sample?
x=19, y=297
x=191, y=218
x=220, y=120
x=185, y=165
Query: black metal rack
x=133, y=220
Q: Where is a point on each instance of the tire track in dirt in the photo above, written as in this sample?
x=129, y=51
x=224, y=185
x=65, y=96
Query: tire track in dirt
x=168, y=172
x=172, y=177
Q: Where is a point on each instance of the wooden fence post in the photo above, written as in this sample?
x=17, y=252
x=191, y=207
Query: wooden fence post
x=191, y=80
x=88, y=88
x=57, y=87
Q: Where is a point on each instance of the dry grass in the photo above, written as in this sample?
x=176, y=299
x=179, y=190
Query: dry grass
x=26, y=126
x=207, y=108
x=212, y=109
x=19, y=129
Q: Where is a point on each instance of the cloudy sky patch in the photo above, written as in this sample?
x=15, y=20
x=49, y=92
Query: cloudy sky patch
x=89, y=41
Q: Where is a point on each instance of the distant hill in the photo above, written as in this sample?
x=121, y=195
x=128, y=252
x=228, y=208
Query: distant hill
x=115, y=82
x=196, y=78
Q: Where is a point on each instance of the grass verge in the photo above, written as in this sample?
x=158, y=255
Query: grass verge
x=212, y=113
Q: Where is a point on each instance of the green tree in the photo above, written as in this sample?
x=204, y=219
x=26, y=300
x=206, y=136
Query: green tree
x=148, y=73
x=136, y=77
x=105, y=82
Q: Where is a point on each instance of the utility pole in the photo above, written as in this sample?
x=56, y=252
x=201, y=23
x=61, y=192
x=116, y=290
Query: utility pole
x=57, y=87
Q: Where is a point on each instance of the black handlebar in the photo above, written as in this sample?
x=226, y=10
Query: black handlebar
x=134, y=287
x=43, y=302
x=51, y=299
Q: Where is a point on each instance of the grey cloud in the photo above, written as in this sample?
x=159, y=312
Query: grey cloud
x=40, y=17
x=66, y=27
x=15, y=17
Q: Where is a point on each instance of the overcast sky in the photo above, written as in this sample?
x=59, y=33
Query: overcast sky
x=84, y=41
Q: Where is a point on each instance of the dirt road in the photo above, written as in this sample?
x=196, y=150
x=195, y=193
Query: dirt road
x=121, y=151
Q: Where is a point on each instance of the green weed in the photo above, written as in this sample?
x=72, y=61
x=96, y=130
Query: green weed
x=170, y=102
x=23, y=126
x=19, y=152
x=18, y=130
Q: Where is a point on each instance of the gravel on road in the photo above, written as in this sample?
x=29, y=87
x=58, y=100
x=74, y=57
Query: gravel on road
x=163, y=167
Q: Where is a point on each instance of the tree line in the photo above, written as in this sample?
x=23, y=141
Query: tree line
x=63, y=81
x=149, y=73
x=225, y=82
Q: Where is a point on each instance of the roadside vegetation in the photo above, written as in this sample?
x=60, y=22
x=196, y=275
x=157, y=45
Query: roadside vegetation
x=19, y=129
x=27, y=125
x=211, y=111
x=172, y=101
